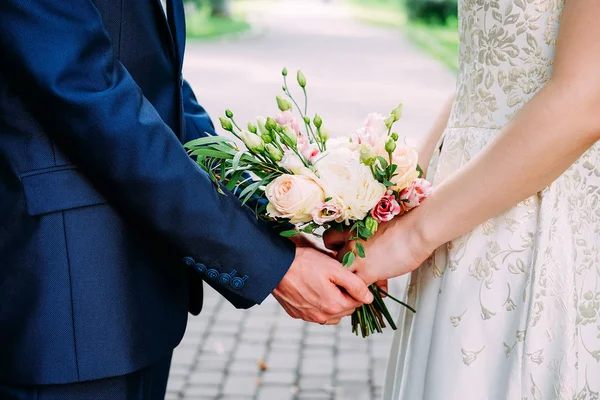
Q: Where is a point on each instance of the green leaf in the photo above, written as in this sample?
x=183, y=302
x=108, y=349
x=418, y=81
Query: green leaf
x=290, y=233
x=309, y=228
x=327, y=199
x=364, y=233
x=250, y=188
x=420, y=171
x=233, y=181
x=223, y=173
x=207, y=140
x=383, y=162
x=360, y=250
x=348, y=259
x=236, y=160
x=387, y=183
x=210, y=152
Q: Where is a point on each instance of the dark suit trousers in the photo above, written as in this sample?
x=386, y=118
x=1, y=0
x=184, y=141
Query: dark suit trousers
x=149, y=383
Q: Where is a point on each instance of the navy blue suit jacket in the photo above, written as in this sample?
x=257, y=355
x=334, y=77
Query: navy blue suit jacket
x=105, y=222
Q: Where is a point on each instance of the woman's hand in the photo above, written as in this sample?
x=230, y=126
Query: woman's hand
x=397, y=248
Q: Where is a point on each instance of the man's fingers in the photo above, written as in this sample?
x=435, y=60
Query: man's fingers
x=355, y=286
x=335, y=240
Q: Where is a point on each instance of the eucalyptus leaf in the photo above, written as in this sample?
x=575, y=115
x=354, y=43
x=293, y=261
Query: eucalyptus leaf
x=348, y=259
x=360, y=250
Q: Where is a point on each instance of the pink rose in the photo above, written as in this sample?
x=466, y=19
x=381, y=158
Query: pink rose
x=287, y=118
x=414, y=194
x=324, y=213
x=387, y=208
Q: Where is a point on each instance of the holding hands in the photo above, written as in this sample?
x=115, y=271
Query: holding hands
x=312, y=289
x=397, y=248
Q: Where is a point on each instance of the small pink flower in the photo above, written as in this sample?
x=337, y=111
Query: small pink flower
x=325, y=213
x=387, y=208
x=287, y=118
x=414, y=194
x=309, y=151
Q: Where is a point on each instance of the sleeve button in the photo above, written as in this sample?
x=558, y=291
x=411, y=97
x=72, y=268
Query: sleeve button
x=189, y=261
x=224, y=278
x=238, y=283
x=212, y=273
x=200, y=268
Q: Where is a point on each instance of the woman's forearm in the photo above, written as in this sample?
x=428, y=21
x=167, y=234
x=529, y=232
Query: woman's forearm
x=550, y=133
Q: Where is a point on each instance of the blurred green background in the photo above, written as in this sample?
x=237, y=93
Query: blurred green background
x=431, y=25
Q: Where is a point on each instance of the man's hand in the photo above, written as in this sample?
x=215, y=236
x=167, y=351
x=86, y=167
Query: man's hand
x=311, y=289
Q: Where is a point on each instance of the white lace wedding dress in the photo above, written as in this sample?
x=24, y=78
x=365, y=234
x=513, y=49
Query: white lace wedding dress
x=510, y=310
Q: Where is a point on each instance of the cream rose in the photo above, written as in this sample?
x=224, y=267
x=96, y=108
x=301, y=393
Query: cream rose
x=343, y=143
x=406, y=158
x=350, y=184
x=294, y=197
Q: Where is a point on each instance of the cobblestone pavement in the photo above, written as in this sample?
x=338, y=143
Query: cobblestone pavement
x=224, y=349
x=352, y=69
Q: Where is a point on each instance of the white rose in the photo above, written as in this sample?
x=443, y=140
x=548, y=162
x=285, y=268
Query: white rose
x=349, y=183
x=342, y=143
x=406, y=158
x=293, y=197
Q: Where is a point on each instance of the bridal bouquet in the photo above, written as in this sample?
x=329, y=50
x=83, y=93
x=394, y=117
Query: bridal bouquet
x=304, y=177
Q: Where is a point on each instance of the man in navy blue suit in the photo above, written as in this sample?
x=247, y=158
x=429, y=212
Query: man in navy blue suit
x=107, y=227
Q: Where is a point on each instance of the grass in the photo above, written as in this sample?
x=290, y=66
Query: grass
x=201, y=25
x=440, y=40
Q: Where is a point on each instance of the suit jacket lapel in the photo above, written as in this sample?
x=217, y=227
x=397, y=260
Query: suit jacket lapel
x=164, y=26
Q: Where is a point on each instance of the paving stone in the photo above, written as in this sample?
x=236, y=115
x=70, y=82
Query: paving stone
x=275, y=393
x=317, y=366
x=208, y=377
x=279, y=377
x=316, y=383
x=345, y=376
x=249, y=352
x=227, y=329
x=183, y=357
x=281, y=360
x=354, y=392
x=220, y=345
x=237, y=385
x=311, y=395
x=283, y=346
x=175, y=384
x=194, y=392
x=320, y=340
x=244, y=367
x=351, y=360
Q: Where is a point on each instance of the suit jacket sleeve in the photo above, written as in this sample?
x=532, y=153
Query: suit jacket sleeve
x=59, y=56
x=197, y=122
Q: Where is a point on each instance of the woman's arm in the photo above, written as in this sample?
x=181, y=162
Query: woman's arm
x=426, y=144
x=551, y=132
